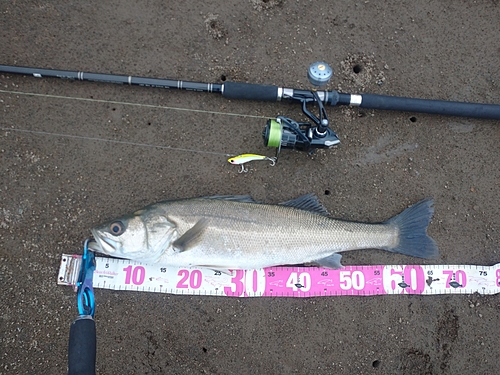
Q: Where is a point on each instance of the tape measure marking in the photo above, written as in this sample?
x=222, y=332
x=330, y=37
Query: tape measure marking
x=122, y=274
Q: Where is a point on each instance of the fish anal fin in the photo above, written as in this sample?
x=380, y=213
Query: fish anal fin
x=308, y=202
x=191, y=236
x=331, y=261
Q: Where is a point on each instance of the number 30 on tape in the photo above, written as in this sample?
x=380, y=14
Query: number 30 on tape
x=120, y=274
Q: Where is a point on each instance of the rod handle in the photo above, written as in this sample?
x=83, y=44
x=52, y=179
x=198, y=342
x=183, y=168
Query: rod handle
x=440, y=107
x=250, y=91
x=82, y=346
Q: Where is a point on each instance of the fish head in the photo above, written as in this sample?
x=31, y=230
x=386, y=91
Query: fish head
x=142, y=236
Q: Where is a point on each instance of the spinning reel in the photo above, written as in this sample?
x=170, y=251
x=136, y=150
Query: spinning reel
x=284, y=132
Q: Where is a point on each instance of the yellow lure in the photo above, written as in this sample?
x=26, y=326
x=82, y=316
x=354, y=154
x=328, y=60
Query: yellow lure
x=245, y=158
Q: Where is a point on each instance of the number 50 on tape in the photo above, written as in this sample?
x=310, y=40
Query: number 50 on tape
x=120, y=274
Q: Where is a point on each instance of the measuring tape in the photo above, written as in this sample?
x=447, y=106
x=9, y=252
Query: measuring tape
x=123, y=274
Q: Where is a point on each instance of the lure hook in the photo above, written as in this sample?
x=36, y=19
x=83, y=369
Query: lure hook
x=273, y=161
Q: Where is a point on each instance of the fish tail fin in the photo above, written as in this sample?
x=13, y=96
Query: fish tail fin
x=412, y=224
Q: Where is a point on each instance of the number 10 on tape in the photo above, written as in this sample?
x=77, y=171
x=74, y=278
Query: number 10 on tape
x=120, y=274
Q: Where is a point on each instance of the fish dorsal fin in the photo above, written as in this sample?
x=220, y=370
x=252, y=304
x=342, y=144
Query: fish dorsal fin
x=191, y=236
x=234, y=198
x=308, y=202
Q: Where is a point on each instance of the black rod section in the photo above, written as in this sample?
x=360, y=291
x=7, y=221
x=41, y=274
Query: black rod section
x=250, y=91
x=82, y=346
x=440, y=107
x=113, y=78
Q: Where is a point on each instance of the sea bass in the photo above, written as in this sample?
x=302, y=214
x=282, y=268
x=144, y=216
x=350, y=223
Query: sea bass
x=235, y=232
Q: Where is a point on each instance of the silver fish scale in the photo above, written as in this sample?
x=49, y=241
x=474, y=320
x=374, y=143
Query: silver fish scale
x=270, y=234
x=235, y=233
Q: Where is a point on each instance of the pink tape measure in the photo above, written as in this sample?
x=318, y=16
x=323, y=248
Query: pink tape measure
x=122, y=274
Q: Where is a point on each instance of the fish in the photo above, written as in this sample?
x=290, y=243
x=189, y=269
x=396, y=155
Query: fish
x=236, y=232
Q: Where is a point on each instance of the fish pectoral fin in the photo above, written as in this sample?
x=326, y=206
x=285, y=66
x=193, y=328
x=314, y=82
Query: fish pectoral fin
x=191, y=236
x=308, y=202
x=331, y=261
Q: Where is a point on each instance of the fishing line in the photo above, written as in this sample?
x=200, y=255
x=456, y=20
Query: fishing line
x=134, y=104
x=50, y=96
x=114, y=141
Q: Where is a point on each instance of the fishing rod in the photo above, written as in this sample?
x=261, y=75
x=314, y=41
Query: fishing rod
x=284, y=132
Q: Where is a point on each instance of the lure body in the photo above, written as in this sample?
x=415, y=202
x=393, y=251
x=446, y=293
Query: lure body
x=245, y=158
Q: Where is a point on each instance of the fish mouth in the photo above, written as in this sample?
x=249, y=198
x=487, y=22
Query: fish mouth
x=102, y=244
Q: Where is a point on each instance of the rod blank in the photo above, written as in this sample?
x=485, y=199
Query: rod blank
x=112, y=78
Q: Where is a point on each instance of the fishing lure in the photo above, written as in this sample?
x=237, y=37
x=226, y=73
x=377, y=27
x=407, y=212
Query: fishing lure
x=245, y=158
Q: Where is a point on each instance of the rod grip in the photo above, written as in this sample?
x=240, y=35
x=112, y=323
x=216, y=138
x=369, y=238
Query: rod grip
x=250, y=91
x=440, y=107
x=82, y=346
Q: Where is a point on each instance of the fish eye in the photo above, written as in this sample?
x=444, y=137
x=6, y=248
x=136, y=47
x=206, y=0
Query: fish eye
x=117, y=228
